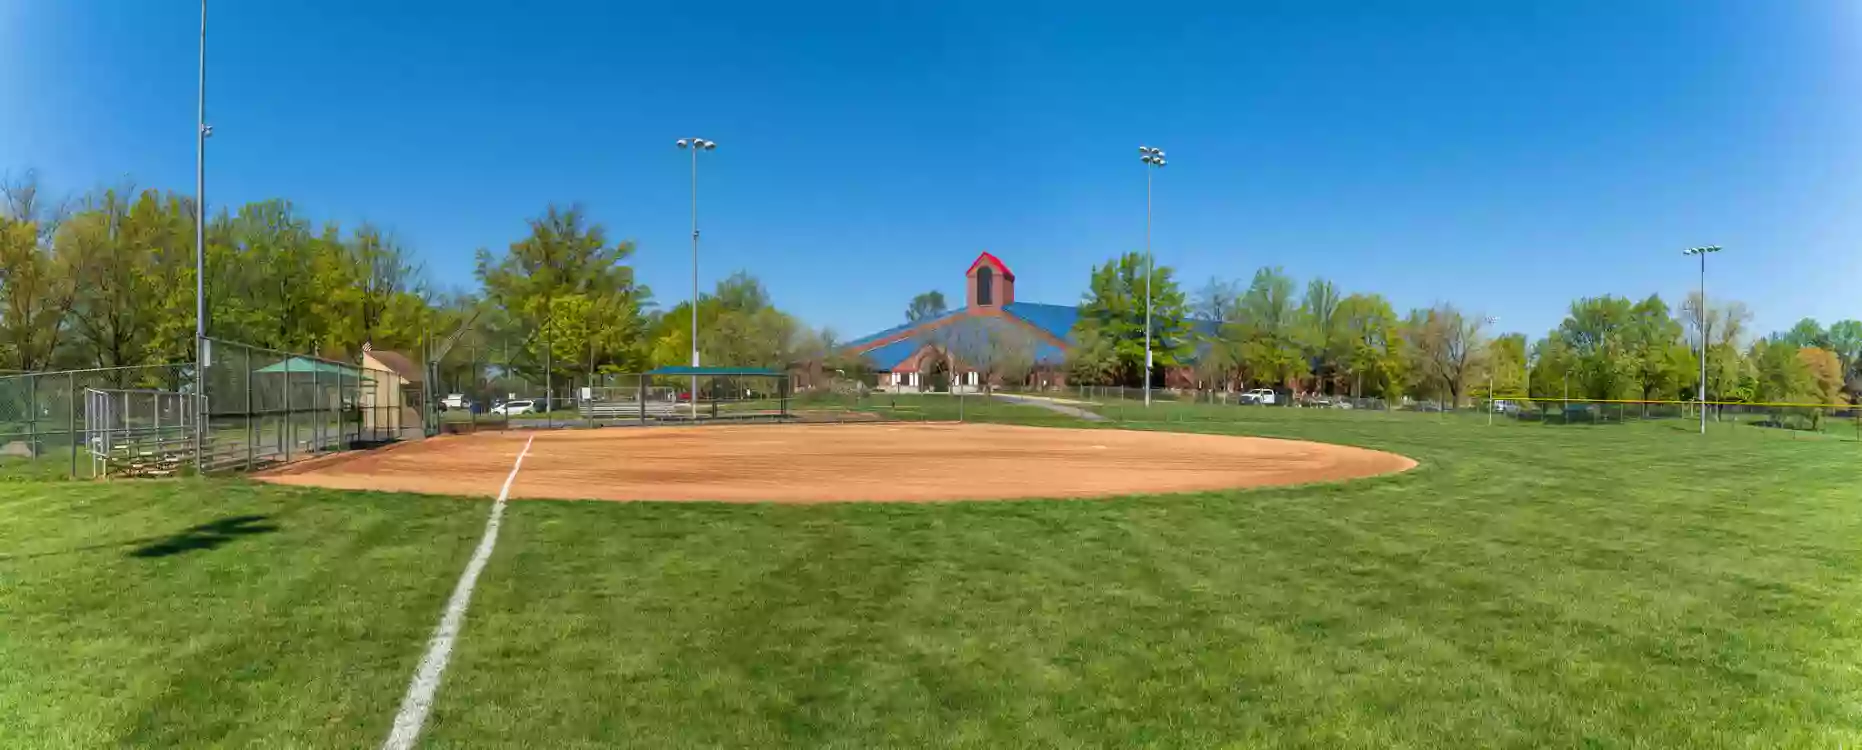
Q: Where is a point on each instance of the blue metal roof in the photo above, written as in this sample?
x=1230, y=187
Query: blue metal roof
x=864, y=340
x=1057, y=320
x=889, y=356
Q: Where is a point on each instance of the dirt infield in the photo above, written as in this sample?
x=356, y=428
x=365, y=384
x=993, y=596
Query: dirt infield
x=850, y=462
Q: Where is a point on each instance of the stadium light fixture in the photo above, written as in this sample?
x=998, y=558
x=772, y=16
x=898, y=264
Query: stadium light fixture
x=1701, y=396
x=1153, y=158
x=697, y=145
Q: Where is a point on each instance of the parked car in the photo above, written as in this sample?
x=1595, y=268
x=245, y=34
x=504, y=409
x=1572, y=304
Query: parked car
x=455, y=401
x=514, y=408
x=1262, y=396
x=1503, y=406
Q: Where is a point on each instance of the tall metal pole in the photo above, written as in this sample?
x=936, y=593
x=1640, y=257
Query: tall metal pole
x=1703, y=343
x=200, y=190
x=697, y=145
x=695, y=148
x=1147, y=287
x=201, y=349
x=1153, y=158
x=1704, y=318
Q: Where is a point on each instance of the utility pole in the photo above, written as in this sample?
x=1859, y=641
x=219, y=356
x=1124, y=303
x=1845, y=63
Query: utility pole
x=1154, y=159
x=697, y=145
x=203, y=351
x=1704, y=344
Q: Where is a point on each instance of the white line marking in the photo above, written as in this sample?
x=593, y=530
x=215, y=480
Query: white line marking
x=419, y=699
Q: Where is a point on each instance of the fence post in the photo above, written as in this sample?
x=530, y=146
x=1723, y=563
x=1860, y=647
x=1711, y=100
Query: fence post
x=71, y=417
x=640, y=394
x=32, y=418
x=251, y=436
x=290, y=422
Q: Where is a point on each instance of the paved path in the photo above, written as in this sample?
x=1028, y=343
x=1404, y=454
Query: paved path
x=1070, y=411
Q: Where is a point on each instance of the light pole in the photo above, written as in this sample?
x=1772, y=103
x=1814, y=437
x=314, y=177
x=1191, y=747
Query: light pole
x=1701, y=401
x=1153, y=158
x=202, y=352
x=1491, y=366
x=697, y=145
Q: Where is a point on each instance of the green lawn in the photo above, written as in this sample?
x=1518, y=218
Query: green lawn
x=1529, y=585
x=216, y=613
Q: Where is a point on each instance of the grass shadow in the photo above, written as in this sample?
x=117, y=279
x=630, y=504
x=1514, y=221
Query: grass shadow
x=206, y=536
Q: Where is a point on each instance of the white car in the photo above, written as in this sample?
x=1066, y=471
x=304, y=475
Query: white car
x=1263, y=396
x=514, y=408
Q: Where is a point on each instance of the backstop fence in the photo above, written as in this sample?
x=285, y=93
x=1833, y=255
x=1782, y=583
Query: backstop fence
x=722, y=395
x=251, y=407
x=265, y=406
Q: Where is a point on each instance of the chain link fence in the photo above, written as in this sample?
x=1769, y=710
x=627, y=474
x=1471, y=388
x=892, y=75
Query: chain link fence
x=266, y=406
x=1118, y=404
x=146, y=433
x=42, y=415
x=256, y=407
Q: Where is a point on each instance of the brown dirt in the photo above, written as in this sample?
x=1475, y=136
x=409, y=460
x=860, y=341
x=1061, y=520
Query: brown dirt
x=847, y=462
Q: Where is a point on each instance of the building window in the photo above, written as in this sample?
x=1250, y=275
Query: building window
x=985, y=286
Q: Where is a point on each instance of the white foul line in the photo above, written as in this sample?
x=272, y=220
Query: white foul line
x=419, y=699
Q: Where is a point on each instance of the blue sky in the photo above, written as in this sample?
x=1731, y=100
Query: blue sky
x=1507, y=157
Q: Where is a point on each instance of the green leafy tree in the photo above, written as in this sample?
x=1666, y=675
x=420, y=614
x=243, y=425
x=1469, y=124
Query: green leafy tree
x=562, y=258
x=1846, y=344
x=1808, y=333
x=1373, y=357
x=1664, y=361
x=36, y=289
x=1599, y=333
x=1112, y=313
x=1269, y=330
x=1504, y=364
x=925, y=307
x=1324, y=336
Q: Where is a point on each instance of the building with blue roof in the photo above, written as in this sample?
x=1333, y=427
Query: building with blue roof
x=957, y=345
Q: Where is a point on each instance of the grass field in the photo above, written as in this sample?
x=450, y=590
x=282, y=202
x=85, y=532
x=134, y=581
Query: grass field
x=1608, y=586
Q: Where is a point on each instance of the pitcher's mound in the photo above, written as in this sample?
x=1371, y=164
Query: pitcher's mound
x=844, y=462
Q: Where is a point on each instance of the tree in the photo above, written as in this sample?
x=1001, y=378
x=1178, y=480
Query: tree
x=1324, y=336
x=1373, y=354
x=1268, y=330
x=36, y=293
x=1446, y=345
x=1846, y=344
x=1093, y=359
x=1218, y=361
x=1808, y=333
x=1722, y=327
x=565, y=257
x=997, y=351
x=1505, y=365
x=1599, y=334
x=1825, y=382
x=1664, y=361
x=925, y=307
x=1113, y=313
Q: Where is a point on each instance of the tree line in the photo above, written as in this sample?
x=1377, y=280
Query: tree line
x=108, y=280
x=1270, y=332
